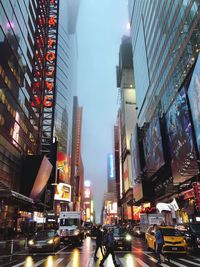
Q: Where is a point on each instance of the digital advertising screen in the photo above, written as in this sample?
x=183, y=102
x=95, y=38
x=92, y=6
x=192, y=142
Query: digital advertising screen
x=194, y=99
x=136, y=167
x=63, y=192
x=63, y=164
x=111, y=174
x=153, y=148
x=180, y=138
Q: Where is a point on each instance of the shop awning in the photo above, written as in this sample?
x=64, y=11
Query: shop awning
x=23, y=202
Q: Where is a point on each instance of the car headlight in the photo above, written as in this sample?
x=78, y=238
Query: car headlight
x=128, y=237
x=76, y=232
x=31, y=242
x=50, y=241
x=198, y=239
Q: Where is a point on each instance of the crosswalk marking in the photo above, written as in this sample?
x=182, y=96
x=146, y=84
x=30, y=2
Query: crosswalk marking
x=191, y=262
x=39, y=262
x=177, y=263
x=164, y=265
x=123, y=262
x=19, y=264
x=141, y=262
x=69, y=264
x=58, y=261
x=196, y=259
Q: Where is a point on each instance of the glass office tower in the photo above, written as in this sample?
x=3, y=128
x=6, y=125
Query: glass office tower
x=18, y=125
x=66, y=73
x=165, y=39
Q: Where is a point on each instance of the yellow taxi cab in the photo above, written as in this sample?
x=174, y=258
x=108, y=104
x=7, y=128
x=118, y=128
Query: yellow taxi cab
x=174, y=242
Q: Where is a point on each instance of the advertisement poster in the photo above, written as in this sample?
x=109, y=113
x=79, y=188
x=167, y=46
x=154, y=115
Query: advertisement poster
x=181, y=144
x=194, y=99
x=127, y=173
x=63, y=192
x=136, y=167
x=153, y=149
x=63, y=163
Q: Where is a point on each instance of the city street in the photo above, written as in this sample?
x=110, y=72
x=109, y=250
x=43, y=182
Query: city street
x=83, y=257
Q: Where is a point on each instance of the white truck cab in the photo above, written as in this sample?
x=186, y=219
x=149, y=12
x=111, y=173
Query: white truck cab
x=70, y=228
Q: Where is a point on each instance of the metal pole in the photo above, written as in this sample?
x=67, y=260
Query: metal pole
x=12, y=247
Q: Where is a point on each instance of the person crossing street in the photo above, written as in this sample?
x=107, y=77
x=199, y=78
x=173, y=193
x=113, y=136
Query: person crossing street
x=99, y=239
x=109, y=249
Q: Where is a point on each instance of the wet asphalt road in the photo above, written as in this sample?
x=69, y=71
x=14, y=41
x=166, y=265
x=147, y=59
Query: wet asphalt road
x=68, y=256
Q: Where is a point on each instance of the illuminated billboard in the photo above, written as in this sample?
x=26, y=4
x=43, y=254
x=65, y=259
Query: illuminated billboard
x=87, y=192
x=136, y=166
x=127, y=173
x=63, y=192
x=63, y=164
x=153, y=149
x=111, y=166
x=180, y=138
x=194, y=98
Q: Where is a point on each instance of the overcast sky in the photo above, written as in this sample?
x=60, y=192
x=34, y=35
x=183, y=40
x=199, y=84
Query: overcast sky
x=101, y=25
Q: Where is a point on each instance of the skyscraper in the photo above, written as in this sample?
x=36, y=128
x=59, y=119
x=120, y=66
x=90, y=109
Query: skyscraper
x=18, y=123
x=165, y=44
x=126, y=123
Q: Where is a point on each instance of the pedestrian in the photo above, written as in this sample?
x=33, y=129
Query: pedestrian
x=99, y=240
x=159, y=242
x=110, y=243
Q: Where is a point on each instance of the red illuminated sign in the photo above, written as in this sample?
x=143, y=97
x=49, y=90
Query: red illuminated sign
x=43, y=87
x=196, y=188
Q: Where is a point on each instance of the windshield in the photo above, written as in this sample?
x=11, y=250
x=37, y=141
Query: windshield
x=118, y=232
x=170, y=232
x=195, y=228
x=69, y=222
x=45, y=234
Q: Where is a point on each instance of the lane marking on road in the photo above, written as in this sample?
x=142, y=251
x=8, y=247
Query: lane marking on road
x=196, y=264
x=39, y=262
x=19, y=264
x=177, y=263
x=58, y=261
x=141, y=262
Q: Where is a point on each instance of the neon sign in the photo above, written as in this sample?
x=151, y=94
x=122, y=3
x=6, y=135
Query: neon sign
x=110, y=166
x=44, y=81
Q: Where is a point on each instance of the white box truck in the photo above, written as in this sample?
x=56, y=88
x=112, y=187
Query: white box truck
x=70, y=228
x=147, y=219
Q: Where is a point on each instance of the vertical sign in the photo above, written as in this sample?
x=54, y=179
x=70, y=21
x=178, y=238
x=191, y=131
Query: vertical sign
x=44, y=71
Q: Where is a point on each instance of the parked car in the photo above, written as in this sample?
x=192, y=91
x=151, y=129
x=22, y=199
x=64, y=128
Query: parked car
x=192, y=235
x=174, y=242
x=137, y=231
x=123, y=240
x=47, y=240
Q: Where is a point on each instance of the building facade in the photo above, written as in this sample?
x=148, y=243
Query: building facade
x=165, y=44
x=77, y=169
x=126, y=123
x=18, y=129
